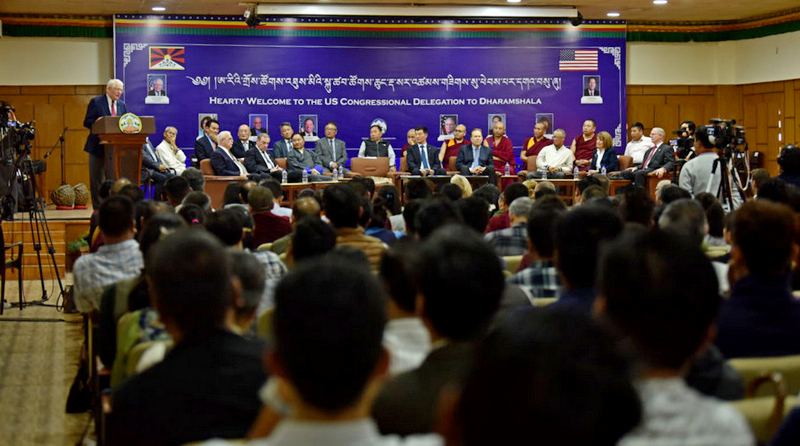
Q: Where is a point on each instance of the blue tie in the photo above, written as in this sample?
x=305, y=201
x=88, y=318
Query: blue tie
x=424, y=154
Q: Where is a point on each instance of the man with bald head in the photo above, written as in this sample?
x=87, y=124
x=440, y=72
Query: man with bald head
x=108, y=104
x=305, y=207
x=656, y=161
x=268, y=226
x=243, y=144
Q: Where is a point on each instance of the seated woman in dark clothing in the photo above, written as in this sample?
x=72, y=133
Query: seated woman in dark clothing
x=376, y=220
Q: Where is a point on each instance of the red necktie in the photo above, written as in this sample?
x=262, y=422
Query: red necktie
x=647, y=161
x=113, y=108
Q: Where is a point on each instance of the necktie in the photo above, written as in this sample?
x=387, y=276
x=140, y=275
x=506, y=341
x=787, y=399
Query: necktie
x=476, y=154
x=267, y=160
x=153, y=153
x=242, y=169
x=424, y=154
x=113, y=108
x=333, y=150
x=649, y=157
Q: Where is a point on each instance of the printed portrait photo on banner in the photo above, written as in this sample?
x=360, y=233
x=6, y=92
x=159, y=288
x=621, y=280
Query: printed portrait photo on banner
x=591, y=90
x=493, y=118
x=308, y=127
x=547, y=120
x=200, y=117
x=258, y=125
x=156, y=89
x=447, y=125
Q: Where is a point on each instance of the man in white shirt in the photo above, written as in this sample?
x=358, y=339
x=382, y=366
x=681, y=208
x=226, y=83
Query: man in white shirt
x=638, y=145
x=556, y=159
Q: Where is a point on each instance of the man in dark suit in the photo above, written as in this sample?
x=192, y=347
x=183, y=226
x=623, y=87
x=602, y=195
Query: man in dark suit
x=283, y=146
x=243, y=144
x=207, y=386
x=592, y=90
x=158, y=88
x=423, y=159
x=259, y=161
x=153, y=168
x=108, y=104
x=449, y=260
x=223, y=161
x=206, y=144
x=467, y=162
x=657, y=160
x=331, y=151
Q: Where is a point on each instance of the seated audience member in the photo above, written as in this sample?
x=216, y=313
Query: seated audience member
x=153, y=168
x=300, y=159
x=790, y=165
x=208, y=383
x=364, y=186
x=540, y=278
x=199, y=199
x=531, y=185
x=311, y=238
x=463, y=183
x=118, y=258
x=543, y=188
x=394, y=204
x=605, y=157
x=450, y=191
x=789, y=432
x=247, y=186
x=132, y=192
x=544, y=377
x=405, y=336
x=759, y=177
x=637, y=207
x=193, y=214
x=474, y=212
x=377, y=147
x=268, y=226
x=502, y=220
x=301, y=208
x=491, y=194
x=195, y=178
x=433, y=214
x=176, y=189
x=423, y=158
x=660, y=187
x=715, y=217
x=775, y=190
x=329, y=358
x=605, y=183
x=659, y=292
x=416, y=189
x=512, y=241
x=761, y=318
x=672, y=193
x=460, y=282
x=410, y=216
x=475, y=158
x=232, y=194
x=555, y=160
x=169, y=153
x=376, y=225
x=246, y=267
x=578, y=235
x=277, y=196
x=342, y=207
x=589, y=180
x=223, y=161
x=592, y=192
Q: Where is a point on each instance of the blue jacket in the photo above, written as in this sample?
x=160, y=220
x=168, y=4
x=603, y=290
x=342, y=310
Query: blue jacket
x=609, y=160
x=98, y=107
x=414, y=159
x=223, y=165
x=465, y=158
x=203, y=148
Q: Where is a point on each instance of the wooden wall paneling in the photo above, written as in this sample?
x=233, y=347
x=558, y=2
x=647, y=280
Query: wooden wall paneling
x=78, y=173
x=668, y=117
x=642, y=112
x=761, y=123
x=790, y=131
x=773, y=144
x=789, y=100
x=729, y=103
x=49, y=124
x=665, y=89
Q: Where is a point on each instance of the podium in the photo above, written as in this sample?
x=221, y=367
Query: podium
x=123, y=152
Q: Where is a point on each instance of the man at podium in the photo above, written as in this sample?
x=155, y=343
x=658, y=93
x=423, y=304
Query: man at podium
x=108, y=104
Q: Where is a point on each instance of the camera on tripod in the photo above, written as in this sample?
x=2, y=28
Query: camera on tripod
x=726, y=136
x=684, y=145
x=16, y=135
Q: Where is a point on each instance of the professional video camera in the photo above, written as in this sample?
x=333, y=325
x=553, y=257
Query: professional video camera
x=13, y=134
x=726, y=136
x=684, y=145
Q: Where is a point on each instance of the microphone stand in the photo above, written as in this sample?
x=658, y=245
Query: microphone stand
x=60, y=142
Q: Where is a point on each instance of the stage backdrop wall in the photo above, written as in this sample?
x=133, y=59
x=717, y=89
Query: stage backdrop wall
x=354, y=71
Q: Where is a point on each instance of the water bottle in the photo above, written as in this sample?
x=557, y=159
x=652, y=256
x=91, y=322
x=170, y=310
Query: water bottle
x=508, y=169
x=576, y=173
x=545, y=169
x=603, y=170
x=336, y=173
x=305, y=176
x=284, y=177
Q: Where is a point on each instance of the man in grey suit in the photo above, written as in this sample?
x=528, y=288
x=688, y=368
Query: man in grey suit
x=331, y=151
x=301, y=159
x=468, y=164
x=283, y=146
x=657, y=161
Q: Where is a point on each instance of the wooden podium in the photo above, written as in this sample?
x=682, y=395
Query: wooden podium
x=123, y=152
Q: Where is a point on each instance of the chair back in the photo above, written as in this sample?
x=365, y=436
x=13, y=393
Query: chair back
x=751, y=369
x=264, y=323
x=532, y=163
x=512, y=263
x=206, y=167
x=370, y=167
x=451, y=163
x=281, y=162
x=624, y=162
x=403, y=164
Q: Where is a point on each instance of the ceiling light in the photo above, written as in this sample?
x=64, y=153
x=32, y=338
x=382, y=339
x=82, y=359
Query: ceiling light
x=514, y=1
x=613, y=14
x=159, y=8
x=660, y=2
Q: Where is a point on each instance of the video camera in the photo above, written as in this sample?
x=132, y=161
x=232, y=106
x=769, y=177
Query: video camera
x=15, y=134
x=684, y=145
x=725, y=135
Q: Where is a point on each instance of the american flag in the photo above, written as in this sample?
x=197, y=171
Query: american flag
x=577, y=60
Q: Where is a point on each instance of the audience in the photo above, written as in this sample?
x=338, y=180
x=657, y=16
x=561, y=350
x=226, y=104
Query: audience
x=277, y=196
x=311, y=237
x=432, y=215
x=474, y=212
x=637, y=207
x=176, y=189
x=342, y=207
x=195, y=177
x=301, y=208
x=512, y=241
x=502, y=220
x=268, y=226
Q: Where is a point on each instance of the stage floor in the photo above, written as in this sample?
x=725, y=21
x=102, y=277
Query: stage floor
x=51, y=213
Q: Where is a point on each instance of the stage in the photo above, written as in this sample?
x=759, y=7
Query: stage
x=64, y=226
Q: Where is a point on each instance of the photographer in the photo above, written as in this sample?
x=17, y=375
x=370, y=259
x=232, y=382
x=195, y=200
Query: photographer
x=703, y=173
x=685, y=143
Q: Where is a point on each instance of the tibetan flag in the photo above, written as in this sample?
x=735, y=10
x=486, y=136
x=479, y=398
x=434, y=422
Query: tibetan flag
x=577, y=60
x=167, y=58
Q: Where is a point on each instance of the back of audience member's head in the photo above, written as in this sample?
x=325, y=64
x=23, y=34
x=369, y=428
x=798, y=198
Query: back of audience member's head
x=365, y=211
x=789, y=160
x=463, y=183
x=547, y=377
x=226, y=225
x=605, y=183
x=578, y=236
x=474, y=212
x=461, y=279
x=514, y=191
x=587, y=181
x=774, y=189
x=543, y=188
x=252, y=276
x=379, y=217
x=305, y=207
x=363, y=186
x=488, y=192
x=659, y=187
x=307, y=193
x=133, y=192
x=342, y=205
x=764, y=237
x=273, y=186
x=410, y=216
x=189, y=277
x=247, y=186
x=144, y=210
x=434, y=214
x=105, y=189
x=592, y=192
x=328, y=345
x=195, y=178
x=417, y=189
x=176, y=189
x=232, y=194
x=349, y=255
x=451, y=191
x=759, y=177
x=685, y=217
x=521, y=207
x=119, y=184
x=541, y=229
x=193, y=214
x=392, y=198
x=116, y=216
x=672, y=193
x=398, y=276
x=550, y=202
x=660, y=291
x=715, y=217
x=637, y=207
x=312, y=237
x=200, y=199
x=158, y=226
x=260, y=199
x=531, y=185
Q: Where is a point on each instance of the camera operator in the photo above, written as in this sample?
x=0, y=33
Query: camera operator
x=684, y=148
x=789, y=160
x=696, y=175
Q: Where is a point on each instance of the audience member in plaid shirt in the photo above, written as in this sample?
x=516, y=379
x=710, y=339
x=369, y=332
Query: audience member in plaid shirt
x=540, y=279
x=512, y=241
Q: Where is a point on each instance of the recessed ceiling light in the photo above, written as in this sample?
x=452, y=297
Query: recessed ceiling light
x=660, y=2
x=613, y=14
x=514, y=1
x=159, y=8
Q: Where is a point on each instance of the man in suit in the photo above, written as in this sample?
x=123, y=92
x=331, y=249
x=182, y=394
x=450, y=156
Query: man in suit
x=158, y=88
x=223, y=161
x=108, y=104
x=282, y=146
x=657, y=161
x=259, y=161
x=153, y=168
x=243, y=144
x=331, y=151
x=206, y=144
x=475, y=158
x=301, y=159
x=592, y=90
x=423, y=159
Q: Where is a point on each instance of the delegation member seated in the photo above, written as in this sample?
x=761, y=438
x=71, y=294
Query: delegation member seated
x=153, y=168
x=206, y=143
x=605, y=157
x=555, y=160
x=169, y=153
x=223, y=161
x=377, y=147
x=423, y=158
x=259, y=161
x=300, y=159
x=332, y=152
x=475, y=158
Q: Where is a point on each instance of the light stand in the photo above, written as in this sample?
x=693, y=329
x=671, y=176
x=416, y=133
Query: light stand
x=60, y=142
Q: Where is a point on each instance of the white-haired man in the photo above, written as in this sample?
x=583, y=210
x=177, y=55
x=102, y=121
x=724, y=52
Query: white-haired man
x=223, y=161
x=656, y=161
x=108, y=104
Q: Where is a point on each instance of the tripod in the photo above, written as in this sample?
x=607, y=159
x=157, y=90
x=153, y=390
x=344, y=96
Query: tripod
x=725, y=189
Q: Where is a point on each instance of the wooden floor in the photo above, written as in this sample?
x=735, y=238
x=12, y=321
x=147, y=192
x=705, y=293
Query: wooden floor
x=39, y=349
